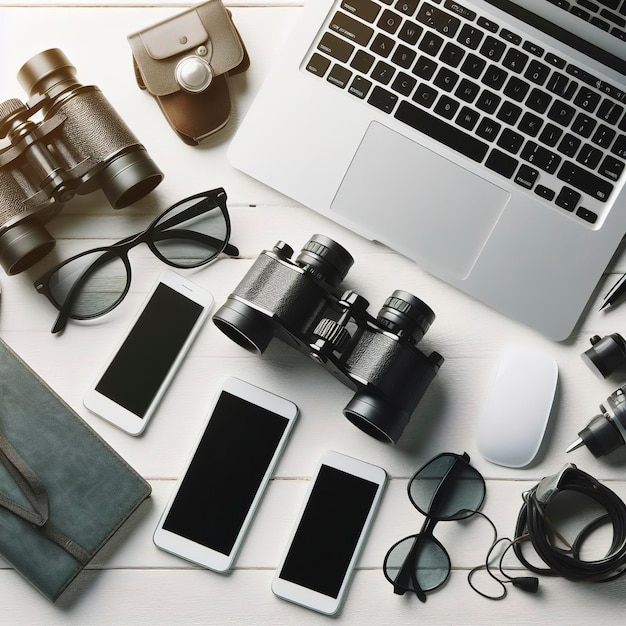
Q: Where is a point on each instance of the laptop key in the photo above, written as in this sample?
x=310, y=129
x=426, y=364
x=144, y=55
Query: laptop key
x=318, y=64
x=516, y=89
x=403, y=84
x=501, y=163
x=441, y=131
x=470, y=36
x=492, y=48
x=545, y=192
x=567, y=199
x=587, y=215
x=488, y=129
x=335, y=47
x=611, y=167
x=360, y=87
x=339, y=76
x=541, y=157
x=362, y=61
x=526, y=176
x=438, y=20
x=585, y=181
x=383, y=99
x=424, y=67
x=351, y=29
x=473, y=66
x=367, y=10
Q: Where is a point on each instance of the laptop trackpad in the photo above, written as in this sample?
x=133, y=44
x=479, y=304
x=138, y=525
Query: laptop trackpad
x=419, y=203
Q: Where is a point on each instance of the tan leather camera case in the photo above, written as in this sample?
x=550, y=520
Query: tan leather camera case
x=185, y=61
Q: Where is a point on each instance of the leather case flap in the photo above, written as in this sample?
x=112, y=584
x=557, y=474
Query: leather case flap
x=158, y=49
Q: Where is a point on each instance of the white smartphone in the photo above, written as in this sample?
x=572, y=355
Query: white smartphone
x=331, y=529
x=223, y=482
x=135, y=377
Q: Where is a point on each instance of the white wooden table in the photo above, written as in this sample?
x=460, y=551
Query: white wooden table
x=138, y=584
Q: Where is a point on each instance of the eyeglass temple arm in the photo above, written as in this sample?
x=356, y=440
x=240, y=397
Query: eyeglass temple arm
x=407, y=572
x=195, y=236
x=61, y=320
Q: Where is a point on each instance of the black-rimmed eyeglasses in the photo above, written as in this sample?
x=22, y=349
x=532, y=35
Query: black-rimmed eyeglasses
x=191, y=233
x=446, y=488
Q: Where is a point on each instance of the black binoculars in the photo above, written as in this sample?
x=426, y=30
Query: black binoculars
x=302, y=304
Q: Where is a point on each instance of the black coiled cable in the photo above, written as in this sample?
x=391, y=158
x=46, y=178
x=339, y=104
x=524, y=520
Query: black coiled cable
x=534, y=523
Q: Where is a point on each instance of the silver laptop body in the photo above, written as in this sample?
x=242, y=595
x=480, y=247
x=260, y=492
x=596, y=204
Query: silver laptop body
x=484, y=140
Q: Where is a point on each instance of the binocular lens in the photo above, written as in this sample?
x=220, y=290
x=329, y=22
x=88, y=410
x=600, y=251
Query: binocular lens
x=376, y=417
x=606, y=354
x=404, y=313
x=23, y=245
x=245, y=326
x=326, y=258
x=129, y=178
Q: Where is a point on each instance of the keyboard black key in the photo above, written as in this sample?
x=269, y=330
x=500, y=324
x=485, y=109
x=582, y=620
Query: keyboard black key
x=515, y=60
x=446, y=107
x=585, y=181
x=438, y=20
x=533, y=48
x=407, y=6
x=389, y=21
x=552, y=59
x=611, y=167
x=351, y=29
x=339, y=76
x=541, y=157
x=589, y=156
x=335, y=47
x=488, y=129
x=537, y=72
x=473, y=66
x=513, y=38
x=404, y=57
x=362, y=61
x=611, y=17
x=587, y=99
x=488, y=101
x=510, y=141
x=509, y=113
x=587, y=215
x=538, y=100
x=455, y=7
x=562, y=86
x=516, y=89
x=383, y=99
x=501, y=163
x=470, y=36
x=359, y=87
x=467, y=118
x=596, y=21
x=446, y=79
x=441, y=131
x=494, y=77
x=492, y=27
x=410, y=33
x=550, y=135
x=431, y=43
x=544, y=192
x=530, y=124
x=404, y=84
x=425, y=95
x=612, y=4
x=526, y=176
x=561, y=113
x=493, y=48
x=425, y=67
x=569, y=145
x=610, y=111
x=567, y=199
x=467, y=90
x=383, y=72
x=382, y=45
x=578, y=12
x=603, y=136
x=451, y=55
x=619, y=33
x=583, y=125
x=619, y=147
x=318, y=64
x=365, y=9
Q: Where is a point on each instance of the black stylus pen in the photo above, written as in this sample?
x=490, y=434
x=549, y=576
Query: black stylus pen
x=617, y=291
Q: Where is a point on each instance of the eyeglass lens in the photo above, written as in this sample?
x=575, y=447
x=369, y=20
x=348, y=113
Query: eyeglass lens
x=446, y=488
x=186, y=235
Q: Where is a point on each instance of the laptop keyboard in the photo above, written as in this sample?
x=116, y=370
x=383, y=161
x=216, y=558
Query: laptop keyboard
x=486, y=92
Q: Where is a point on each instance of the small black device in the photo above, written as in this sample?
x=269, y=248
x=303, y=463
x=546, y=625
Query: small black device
x=606, y=354
x=607, y=431
x=302, y=304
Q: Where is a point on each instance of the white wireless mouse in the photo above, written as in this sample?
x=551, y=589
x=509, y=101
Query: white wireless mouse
x=517, y=408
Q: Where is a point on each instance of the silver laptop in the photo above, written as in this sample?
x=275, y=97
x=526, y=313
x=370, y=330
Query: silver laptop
x=485, y=140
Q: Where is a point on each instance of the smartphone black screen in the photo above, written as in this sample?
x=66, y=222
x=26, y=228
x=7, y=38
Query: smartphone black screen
x=223, y=478
x=135, y=374
x=329, y=531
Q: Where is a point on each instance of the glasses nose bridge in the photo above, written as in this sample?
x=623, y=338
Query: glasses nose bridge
x=440, y=492
x=123, y=246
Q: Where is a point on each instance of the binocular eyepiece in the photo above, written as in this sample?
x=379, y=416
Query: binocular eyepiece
x=79, y=145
